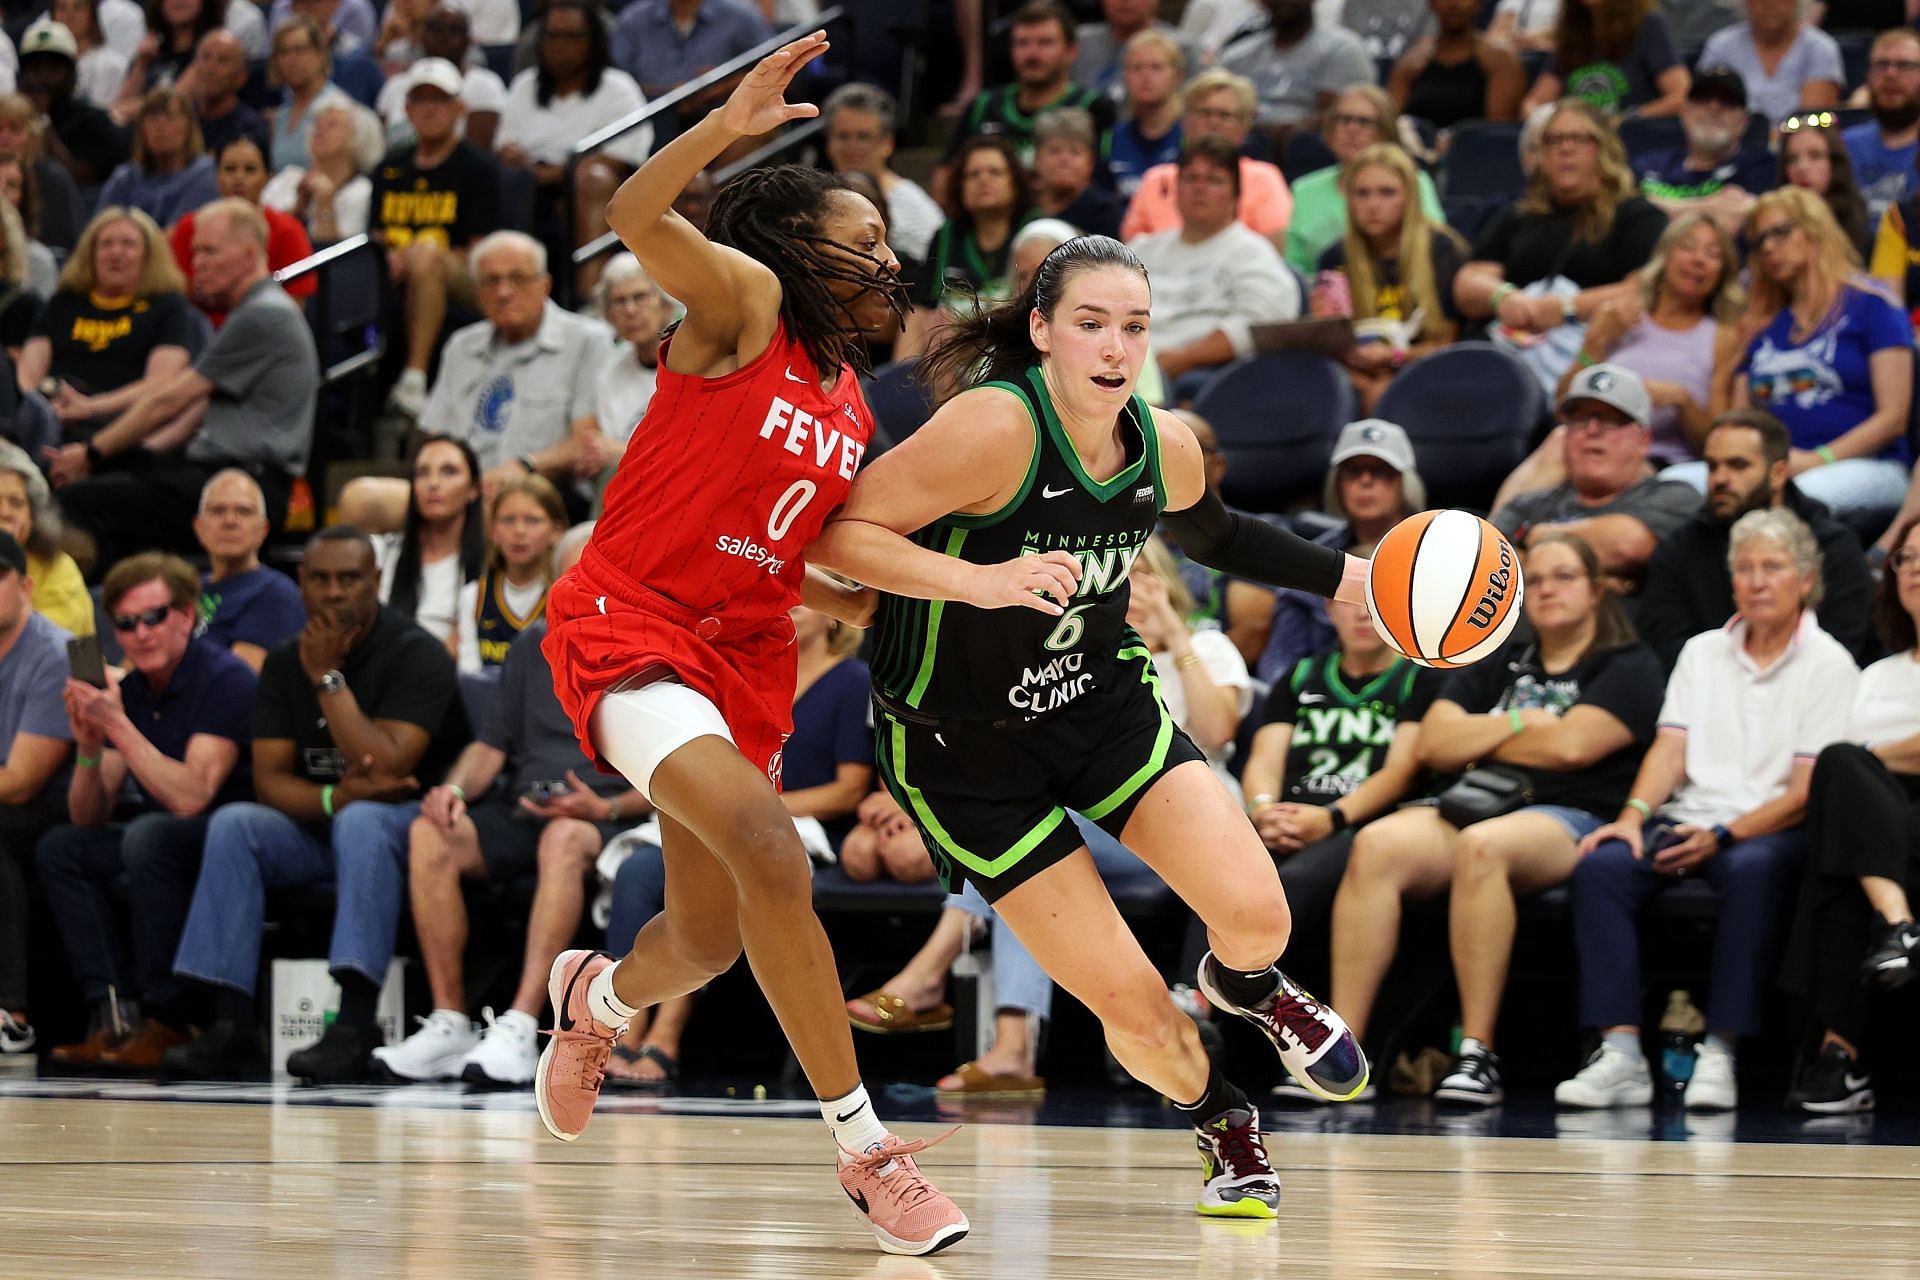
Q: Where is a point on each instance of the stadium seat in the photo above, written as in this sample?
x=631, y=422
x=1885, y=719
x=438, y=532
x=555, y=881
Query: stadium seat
x=1305, y=153
x=1854, y=47
x=1484, y=161
x=1649, y=135
x=1276, y=417
x=1470, y=410
x=899, y=403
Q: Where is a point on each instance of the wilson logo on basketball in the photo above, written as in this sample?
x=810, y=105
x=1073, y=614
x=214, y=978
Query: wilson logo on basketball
x=1489, y=606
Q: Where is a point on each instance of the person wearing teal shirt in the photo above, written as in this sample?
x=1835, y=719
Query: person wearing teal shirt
x=1361, y=116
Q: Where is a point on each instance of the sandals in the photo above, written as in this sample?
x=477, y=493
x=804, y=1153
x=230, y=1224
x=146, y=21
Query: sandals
x=669, y=1068
x=977, y=1083
x=893, y=1017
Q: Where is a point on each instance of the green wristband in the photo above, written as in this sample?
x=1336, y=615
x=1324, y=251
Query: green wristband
x=86, y=762
x=1825, y=454
x=1513, y=718
x=326, y=799
x=458, y=790
x=1500, y=291
x=1585, y=361
x=1640, y=807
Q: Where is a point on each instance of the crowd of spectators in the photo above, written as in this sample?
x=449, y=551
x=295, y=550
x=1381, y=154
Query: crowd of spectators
x=1703, y=260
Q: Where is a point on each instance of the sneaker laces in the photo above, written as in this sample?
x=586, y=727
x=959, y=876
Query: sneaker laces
x=1297, y=1014
x=908, y=1184
x=1242, y=1150
x=591, y=1056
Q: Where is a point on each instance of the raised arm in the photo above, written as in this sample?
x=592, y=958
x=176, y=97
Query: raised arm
x=732, y=301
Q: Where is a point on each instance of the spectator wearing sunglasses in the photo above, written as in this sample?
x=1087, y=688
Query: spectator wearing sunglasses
x=174, y=728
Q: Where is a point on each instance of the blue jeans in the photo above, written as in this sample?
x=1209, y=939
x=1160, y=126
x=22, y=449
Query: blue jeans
x=1018, y=980
x=252, y=848
x=1610, y=886
x=639, y=894
x=159, y=855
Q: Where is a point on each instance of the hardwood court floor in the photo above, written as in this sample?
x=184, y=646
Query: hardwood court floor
x=99, y=1187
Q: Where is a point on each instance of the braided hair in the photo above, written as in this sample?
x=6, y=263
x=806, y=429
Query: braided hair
x=773, y=216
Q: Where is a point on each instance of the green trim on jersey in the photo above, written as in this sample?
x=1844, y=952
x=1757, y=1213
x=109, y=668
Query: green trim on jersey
x=980, y=864
x=1151, y=769
x=1127, y=475
x=1012, y=504
x=1329, y=664
x=932, y=633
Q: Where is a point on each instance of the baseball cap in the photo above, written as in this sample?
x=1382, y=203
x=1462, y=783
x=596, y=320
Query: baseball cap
x=48, y=36
x=1718, y=84
x=12, y=558
x=1611, y=384
x=1374, y=438
x=436, y=73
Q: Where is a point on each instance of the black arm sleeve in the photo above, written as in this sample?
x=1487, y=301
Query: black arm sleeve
x=1253, y=549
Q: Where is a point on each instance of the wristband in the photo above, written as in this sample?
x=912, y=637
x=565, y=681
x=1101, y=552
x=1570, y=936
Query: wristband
x=1340, y=820
x=1500, y=292
x=1640, y=807
x=86, y=762
x=1187, y=661
x=1259, y=800
x=458, y=790
x=1513, y=718
x=526, y=462
x=1825, y=454
x=1584, y=361
x=326, y=799
x=613, y=810
x=95, y=459
x=1569, y=311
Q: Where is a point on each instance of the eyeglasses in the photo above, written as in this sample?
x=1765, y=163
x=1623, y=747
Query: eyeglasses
x=641, y=298
x=515, y=280
x=1892, y=66
x=1582, y=139
x=1772, y=235
x=1904, y=559
x=1358, y=122
x=1592, y=418
x=1811, y=120
x=128, y=623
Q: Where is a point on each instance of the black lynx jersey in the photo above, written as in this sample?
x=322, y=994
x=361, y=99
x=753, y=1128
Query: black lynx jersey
x=1342, y=725
x=950, y=660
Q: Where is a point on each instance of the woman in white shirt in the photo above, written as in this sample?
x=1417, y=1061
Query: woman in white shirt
x=100, y=69
x=637, y=310
x=332, y=192
x=573, y=90
x=443, y=544
x=1854, y=927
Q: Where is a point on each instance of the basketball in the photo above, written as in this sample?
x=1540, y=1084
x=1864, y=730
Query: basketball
x=1445, y=588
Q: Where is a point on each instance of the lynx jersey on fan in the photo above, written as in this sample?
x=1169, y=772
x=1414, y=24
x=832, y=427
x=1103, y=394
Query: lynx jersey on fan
x=1342, y=725
x=953, y=661
x=726, y=480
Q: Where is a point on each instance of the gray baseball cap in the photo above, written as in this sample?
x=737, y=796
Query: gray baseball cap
x=1374, y=438
x=1614, y=385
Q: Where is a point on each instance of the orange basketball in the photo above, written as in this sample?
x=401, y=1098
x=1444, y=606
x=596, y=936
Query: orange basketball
x=1445, y=588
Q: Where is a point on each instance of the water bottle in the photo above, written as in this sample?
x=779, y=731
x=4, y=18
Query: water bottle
x=1680, y=1030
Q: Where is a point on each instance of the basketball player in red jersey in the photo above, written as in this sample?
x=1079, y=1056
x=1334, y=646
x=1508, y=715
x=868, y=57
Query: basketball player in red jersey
x=670, y=643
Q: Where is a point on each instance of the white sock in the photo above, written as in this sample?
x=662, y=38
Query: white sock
x=1627, y=1042
x=608, y=1009
x=852, y=1122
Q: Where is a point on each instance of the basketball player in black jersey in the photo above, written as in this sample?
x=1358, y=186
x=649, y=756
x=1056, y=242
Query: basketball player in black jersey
x=991, y=726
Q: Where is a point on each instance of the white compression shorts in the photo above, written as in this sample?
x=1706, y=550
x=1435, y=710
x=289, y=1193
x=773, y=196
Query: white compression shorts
x=636, y=729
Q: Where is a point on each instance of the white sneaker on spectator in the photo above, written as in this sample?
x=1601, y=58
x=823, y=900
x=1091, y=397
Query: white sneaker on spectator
x=434, y=1052
x=1712, y=1087
x=409, y=394
x=15, y=1036
x=1612, y=1078
x=507, y=1053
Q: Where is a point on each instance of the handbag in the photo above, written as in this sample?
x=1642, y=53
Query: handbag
x=1485, y=791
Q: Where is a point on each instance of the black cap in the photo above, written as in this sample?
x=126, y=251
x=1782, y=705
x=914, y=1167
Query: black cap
x=12, y=558
x=1718, y=84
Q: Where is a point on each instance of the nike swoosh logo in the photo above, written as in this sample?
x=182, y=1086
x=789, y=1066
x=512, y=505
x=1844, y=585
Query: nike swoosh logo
x=1308, y=699
x=850, y=1115
x=859, y=1199
x=791, y=376
x=1048, y=491
x=1854, y=1082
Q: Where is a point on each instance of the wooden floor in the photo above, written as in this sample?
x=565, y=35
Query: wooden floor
x=92, y=1187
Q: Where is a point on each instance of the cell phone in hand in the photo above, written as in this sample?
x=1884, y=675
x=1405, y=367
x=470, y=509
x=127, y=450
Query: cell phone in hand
x=1662, y=837
x=546, y=792
x=84, y=660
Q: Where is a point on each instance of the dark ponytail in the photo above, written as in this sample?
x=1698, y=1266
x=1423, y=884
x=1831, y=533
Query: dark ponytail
x=993, y=341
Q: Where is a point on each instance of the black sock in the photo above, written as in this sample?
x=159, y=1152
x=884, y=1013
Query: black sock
x=1221, y=1095
x=1243, y=989
x=359, y=996
x=232, y=1006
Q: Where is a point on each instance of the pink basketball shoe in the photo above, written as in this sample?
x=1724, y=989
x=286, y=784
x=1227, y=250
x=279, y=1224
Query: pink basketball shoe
x=907, y=1213
x=567, y=1082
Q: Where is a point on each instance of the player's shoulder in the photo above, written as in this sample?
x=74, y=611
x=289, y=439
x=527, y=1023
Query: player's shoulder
x=992, y=414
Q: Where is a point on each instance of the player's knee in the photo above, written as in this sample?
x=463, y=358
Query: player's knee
x=764, y=853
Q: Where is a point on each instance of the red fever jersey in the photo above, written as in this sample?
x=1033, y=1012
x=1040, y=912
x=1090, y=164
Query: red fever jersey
x=698, y=555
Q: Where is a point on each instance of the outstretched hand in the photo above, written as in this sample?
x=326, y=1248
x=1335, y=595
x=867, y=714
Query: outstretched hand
x=758, y=103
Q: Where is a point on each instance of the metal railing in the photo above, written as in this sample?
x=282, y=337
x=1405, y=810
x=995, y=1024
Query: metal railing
x=641, y=115
x=365, y=339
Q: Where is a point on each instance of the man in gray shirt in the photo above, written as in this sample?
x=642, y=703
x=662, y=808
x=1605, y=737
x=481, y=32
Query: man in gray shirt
x=246, y=402
x=1609, y=498
x=1099, y=45
x=1297, y=66
x=519, y=385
